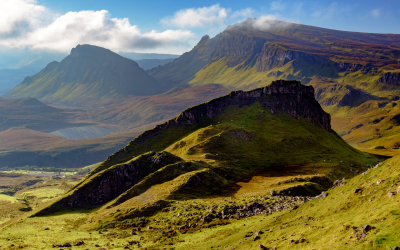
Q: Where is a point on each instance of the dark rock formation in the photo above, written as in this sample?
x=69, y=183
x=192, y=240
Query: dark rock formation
x=396, y=119
x=355, y=97
x=390, y=78
x=114, y=181
x=119, y=179
x=273, y=56
x=353, y=67
x=281, y=96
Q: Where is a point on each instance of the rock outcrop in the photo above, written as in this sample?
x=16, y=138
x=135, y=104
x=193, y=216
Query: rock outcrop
x=114, y=181
x=390, y=78
x=355, y=97
x=281, y=96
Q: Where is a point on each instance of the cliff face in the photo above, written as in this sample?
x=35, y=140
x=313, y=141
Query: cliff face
x=281, y=96
x=390, y=78
x=314, y=51
x=182, y=69
x=115, y=181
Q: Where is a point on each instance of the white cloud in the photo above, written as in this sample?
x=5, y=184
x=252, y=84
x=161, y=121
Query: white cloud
x=22, y=25
x=197, y=18
x=264, y=23
x=376, y=13
x=19, y=15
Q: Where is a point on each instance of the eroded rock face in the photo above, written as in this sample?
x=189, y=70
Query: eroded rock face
x=390, y=78
x=355, y=97
x=281, y=96
x=113, y=182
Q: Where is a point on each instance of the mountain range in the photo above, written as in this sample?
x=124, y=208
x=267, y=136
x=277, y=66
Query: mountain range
x=211, y=149
x=353, y=87
x=354, y=74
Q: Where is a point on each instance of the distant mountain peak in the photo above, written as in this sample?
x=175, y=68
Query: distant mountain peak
x=87, y=49
x=88, y=73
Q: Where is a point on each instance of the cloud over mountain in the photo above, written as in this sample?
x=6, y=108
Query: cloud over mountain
x=26, y=24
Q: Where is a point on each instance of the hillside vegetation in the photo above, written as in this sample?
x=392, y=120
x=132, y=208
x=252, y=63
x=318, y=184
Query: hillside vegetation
x=277, y=131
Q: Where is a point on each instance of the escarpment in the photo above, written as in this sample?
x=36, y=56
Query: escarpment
x=390, y=78
x=114, y=181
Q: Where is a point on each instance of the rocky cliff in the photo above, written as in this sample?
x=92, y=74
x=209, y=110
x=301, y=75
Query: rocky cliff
x=114, y=181
x=314, y=52
x=390, y=78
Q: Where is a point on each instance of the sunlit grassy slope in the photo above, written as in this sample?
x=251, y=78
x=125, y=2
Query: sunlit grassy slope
x=361, y=214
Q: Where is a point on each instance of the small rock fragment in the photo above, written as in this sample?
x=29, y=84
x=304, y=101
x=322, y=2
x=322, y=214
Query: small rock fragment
x=367, y=228
x=257, y=235
x=261, y=247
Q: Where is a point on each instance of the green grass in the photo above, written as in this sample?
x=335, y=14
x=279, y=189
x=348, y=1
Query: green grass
x=334, y=222
x=7, y=198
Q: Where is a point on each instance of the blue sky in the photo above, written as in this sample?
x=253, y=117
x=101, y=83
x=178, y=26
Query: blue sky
x=171, y=26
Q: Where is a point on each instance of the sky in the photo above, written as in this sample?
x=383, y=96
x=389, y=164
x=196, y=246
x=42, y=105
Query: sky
x=172, y=27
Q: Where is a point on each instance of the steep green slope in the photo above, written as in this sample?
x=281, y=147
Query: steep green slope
x=278, y=131
x=88, y=73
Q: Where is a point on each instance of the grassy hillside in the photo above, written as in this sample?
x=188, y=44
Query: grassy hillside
x=360, y=213
x=236, y=142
